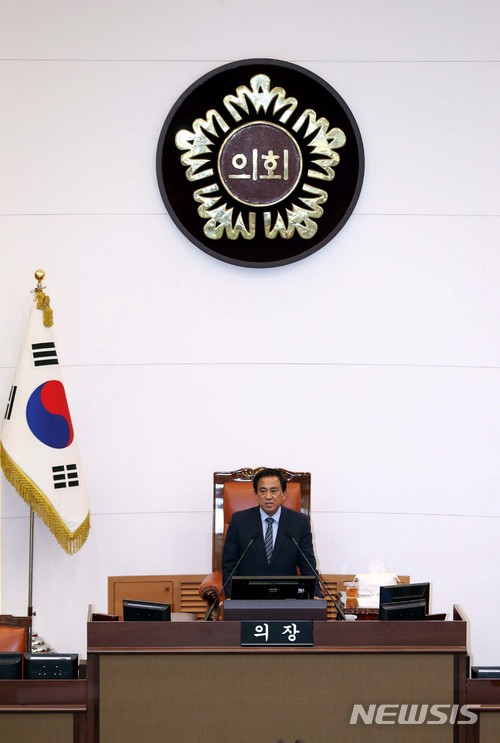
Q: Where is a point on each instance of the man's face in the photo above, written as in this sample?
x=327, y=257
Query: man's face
x=270, y=496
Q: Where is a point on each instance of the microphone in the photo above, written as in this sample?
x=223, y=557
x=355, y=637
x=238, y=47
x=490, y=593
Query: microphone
x=216, y=600
x=336, y=604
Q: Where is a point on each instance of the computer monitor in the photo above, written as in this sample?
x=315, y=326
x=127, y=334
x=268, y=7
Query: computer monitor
x=51, y=665
x=404, y=601
x=278, y=587
x=145, y=611
x=402, y=610
x=485, y=672
x=11, y=666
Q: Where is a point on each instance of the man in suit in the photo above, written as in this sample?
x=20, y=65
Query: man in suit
x=273, y=552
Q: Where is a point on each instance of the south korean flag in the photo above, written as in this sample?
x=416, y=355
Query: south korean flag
x=37, y=448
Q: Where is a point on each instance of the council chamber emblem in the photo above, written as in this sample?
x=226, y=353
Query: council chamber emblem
x=260, y=163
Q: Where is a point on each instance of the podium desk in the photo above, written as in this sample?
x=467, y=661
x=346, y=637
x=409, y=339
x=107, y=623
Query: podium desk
x=189, y=682
x=483, y=698
x=44, y=711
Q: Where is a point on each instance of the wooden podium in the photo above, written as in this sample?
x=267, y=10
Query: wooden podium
x=44, y=711
x=193, y=681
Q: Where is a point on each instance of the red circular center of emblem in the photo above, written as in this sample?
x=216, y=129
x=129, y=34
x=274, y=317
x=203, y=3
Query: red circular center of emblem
x=260, y=163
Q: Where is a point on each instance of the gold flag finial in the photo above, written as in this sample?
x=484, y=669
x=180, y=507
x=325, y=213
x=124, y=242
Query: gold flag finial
x=39, y=276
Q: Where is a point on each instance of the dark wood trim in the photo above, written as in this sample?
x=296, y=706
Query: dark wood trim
x=39, y=693
x=485, y=692
x=93, y=695
x=80, y=727
x=374, y=636
x=459, y=693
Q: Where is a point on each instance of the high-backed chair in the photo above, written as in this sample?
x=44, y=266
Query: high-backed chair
x=14, y=634
x=233, y=491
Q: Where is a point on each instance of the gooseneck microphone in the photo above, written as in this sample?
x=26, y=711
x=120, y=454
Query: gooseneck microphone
x=316, y=574
x=219, y=593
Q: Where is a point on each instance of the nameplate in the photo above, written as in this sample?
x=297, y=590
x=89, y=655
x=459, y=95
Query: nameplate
x=277, y=633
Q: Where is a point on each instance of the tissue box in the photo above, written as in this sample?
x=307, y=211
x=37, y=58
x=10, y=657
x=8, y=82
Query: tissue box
x=369, y=583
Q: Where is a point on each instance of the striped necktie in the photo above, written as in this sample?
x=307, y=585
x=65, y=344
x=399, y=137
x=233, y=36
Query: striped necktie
x=268, y=539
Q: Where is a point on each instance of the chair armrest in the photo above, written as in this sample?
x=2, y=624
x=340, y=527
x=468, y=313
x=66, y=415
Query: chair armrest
x=210, y=587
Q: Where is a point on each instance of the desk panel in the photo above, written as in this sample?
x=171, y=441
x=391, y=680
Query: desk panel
x=42, y=727
x=244, y=697
x=489, y=727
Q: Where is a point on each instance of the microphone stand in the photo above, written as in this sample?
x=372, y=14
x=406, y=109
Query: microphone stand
x=336, y=604
x=216, y=600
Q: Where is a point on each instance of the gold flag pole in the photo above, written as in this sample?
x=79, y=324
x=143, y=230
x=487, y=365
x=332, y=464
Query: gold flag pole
x=38, y=292
x=31, y=613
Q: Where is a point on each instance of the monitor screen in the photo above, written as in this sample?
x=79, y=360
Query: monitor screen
x=402, y=610
x=145, y=611
x=11, y=666
x=51, y=665
x=262, y=587
x=405, y=592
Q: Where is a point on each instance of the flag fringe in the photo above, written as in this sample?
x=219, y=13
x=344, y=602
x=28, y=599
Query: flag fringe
x=33, y=496
x=43, y=303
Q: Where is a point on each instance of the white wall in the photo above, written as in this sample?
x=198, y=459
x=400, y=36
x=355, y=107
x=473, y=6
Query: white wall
x=374, y=363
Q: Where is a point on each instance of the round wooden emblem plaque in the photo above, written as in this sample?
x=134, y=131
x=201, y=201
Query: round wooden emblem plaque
x=260, y=163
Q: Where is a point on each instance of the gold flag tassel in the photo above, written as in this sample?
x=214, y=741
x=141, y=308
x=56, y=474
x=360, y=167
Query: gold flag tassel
x=33, y=496
x=43, y=300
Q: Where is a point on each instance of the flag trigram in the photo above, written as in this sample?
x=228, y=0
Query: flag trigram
x=10, y=402
x=65, y=476
x=44, y=354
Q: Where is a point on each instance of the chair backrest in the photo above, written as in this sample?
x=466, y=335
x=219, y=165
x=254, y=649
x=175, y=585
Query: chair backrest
x=233, y=491
x=14, y=634
x=12, y=639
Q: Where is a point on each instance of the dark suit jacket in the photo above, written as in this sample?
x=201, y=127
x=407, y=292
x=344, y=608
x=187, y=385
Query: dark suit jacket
x=286, y=558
